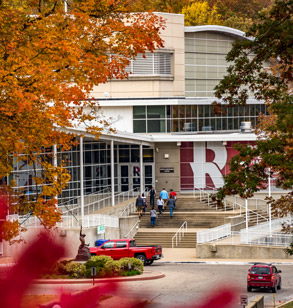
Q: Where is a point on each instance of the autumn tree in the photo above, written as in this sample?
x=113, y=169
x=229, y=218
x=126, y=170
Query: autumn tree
x=49, y=62
x=230, y=13
x=263, y=67
x=200, y=13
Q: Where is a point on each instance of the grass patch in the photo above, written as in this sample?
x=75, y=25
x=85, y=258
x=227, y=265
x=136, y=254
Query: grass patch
x=130, y=273
x=34, y=301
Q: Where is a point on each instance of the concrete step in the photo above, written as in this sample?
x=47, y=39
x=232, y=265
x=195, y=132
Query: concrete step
x=165, y=239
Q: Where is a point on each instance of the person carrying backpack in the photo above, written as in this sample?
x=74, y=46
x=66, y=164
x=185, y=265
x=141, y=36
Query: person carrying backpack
x=154, y=215
x=152, y=195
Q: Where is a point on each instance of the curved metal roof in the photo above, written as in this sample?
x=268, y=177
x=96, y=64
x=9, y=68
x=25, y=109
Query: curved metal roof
x=215, y=28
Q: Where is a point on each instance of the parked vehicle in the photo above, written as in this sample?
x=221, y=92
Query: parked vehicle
x=264, y=275
x=122, y=248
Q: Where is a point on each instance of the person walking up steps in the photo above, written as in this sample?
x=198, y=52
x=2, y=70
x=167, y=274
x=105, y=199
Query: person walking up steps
x=173, y=195
x=160, y=204
x=145, y=204
x=139, y=205
x=154, y=215
x=164, y=196
x=152, y=195
x=171, y=203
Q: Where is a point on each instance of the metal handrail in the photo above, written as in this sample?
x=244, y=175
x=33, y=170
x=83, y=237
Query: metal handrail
x=133, y=191
x=249, y=210
x=126, y=209
x=133, y=227
x=181, y=229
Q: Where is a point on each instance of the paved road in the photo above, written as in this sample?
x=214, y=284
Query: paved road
x=185, y=283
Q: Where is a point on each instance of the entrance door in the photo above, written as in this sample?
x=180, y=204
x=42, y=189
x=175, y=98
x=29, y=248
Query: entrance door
x=130, y=176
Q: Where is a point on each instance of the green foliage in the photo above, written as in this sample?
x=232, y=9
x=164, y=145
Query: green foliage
x=113, y=266
x=130, y=273
x=272, y=45
x=75, y=270
x=200, y=13
x=134, y=263
x=98, y=261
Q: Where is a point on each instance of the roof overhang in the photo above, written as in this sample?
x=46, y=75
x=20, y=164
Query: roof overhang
x=215, y=28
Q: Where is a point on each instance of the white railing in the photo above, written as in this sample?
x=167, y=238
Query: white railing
x=130, y=208
x=102, y=203
x=263, y=229
x=133, y=230
x=213, y=234
x=256, y=203
x=249, y=211
x=179, y=234
x=75, y=202
x=71, y=221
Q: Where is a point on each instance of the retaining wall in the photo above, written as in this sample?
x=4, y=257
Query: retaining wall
x=214, y=251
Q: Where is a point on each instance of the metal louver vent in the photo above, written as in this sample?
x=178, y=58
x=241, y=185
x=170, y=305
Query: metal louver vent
x=152, y=64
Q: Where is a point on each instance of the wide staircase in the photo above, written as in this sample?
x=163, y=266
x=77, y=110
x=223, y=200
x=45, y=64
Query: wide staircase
x=196, y=213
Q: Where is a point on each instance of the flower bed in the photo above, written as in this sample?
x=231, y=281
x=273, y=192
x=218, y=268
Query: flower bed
x=105, y=267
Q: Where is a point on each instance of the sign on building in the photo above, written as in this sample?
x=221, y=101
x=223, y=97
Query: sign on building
x=101, y=229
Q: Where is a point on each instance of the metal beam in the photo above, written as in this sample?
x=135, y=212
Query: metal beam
x=112, y=174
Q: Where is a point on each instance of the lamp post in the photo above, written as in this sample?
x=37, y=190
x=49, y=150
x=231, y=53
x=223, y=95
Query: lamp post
x=270, y=208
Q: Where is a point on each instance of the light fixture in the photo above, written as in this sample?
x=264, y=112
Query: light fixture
x=224, y=142
x=166, y=156
x=178, y=143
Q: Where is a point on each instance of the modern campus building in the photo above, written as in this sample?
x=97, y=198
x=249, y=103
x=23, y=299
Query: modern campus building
x=167, y=133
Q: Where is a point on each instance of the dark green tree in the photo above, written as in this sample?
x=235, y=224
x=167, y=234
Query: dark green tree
x=262, y=66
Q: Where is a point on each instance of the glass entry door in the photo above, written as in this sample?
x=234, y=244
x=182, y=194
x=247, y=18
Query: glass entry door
x=130, y=176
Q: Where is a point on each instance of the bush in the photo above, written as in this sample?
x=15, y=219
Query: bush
x=113, y=267
x=135, y=264
x=59, y=268
x=98, y=261
x=75, y=270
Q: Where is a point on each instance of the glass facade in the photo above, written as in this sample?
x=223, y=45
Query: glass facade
x=193, y=118
x=97, y=169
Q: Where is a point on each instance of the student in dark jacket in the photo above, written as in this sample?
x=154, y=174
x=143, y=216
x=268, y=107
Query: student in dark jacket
x=139, y=205
x=171, y=203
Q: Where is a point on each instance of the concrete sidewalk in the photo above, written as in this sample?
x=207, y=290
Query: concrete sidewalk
x=188, y=255
x=185, y=255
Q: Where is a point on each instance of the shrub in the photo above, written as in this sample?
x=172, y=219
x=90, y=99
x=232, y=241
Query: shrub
x=75, y=270
x=113, y=267
x=97, y=261
x=135, y=264
x=59, y=268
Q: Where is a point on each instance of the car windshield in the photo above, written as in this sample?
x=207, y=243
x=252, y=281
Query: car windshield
x=261, y=270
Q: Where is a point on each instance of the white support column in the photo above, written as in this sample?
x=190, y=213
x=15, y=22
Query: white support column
x=141, y=168
x=112, y=174
x=81, y=177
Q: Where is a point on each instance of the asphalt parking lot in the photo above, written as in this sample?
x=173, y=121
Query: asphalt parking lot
x=185, y=284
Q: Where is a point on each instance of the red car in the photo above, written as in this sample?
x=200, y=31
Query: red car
x=264, y=275
x=123, y=248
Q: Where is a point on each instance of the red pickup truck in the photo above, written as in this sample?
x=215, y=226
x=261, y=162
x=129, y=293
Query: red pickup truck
x=123, y=248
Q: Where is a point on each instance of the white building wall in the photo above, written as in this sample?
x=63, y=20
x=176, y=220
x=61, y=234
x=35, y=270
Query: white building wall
x=120, y=117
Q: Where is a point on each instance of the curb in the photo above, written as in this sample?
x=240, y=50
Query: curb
x=147, y=275
x=223, y=262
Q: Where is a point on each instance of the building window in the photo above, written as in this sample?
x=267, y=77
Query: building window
x=152, y=64
x=193, y=118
